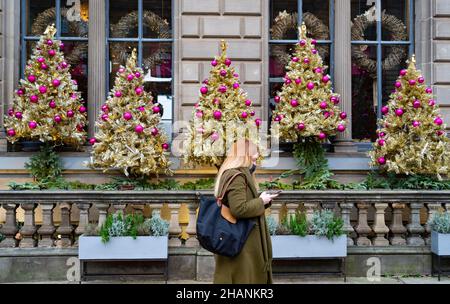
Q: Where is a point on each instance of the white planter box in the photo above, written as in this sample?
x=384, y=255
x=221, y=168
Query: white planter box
x=440, y=243
x=310, y=246
x=123, y=248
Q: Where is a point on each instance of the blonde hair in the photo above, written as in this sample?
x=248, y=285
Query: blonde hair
x=239, y=155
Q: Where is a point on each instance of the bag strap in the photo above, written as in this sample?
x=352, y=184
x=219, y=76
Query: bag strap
x=224, y=189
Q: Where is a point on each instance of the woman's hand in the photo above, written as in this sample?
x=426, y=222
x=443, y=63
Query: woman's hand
x=267, y=198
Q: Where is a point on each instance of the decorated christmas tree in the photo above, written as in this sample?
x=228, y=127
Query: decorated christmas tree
x=47, y=106
x=307, y=110
x=411, y=138
x=128, y=136
x=223, y=113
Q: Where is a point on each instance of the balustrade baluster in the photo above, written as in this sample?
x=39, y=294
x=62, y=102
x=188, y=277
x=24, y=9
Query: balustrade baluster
x=379, y=226
x=102, y=213
x=9, y=228
x=65, y=229
x=47, y=229
x=363, y=228
x=309, y=210
x=414, y=227
x=29, y=228
x=397, y=228
x=84, y=220
x=346, y=209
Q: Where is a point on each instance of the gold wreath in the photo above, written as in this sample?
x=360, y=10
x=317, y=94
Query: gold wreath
x=396, y=53
x=153, y=21
x=79, y=28
x=285, y=21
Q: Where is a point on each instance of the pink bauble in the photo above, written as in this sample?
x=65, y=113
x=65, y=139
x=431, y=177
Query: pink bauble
x=302, y=42
x=438, y=121
x=334, y=99
x=203, y=90
x=318, y=70
x=196, y=105
x=416, y=123
x=381, y=134
x=20, y=92
x=326, y=114
x=139, y=129
x=310, y=85
x=325, y=78
x=118, y=94
x=92, y=141
x=431, y=102
x=421, y=79
x=215, y=136
x=301, y=126
x=398, y=84
x=18, y=115
x=403, y=72
x=137, y=74
x=381, y=142
x=31, y=78
x=199, y=114
x=429, y=90
x=127, y=116
x=323, y=105
x=130, y=77
x=314, y=51
x=248, y=102
x=82, y=109
x=64, y=64
x=52, y=104
x=56, y=82
x=258, y=122
x=412, y=82
x=277, y=118
x=138, y=91
x=440, y=133
x=214, y=63
x=51, y=53
x=235, y=85
x=298, y=81
x=236, y=75
x=57, y=118
x=222, y=89
x=276, y=99
x=216, y=101
x=206, y=81
x=399, y=112
x=223, y=73
x=121, y=70
x=11, y=132
x=313, y=41
x=41, y=59
x=11, y=112
x=34, y=98
x=154, y=131
x=295, y=59
x=252, y=113
x=49, y=42
x=294, y=103
x=244, y=114
x=74, y=82
x=32, y=124
x=322, y=136
x=217, y=115
x=381, y=160
x=70, y=113
x=141, y=108
x=43, y=89
x=227, y=62
x=416, y=104
x=156, y=109
x=385, y=110
x=343, y=115
x=341, y=128
x=287, y=81
x=105, y=108
x=80, y=128
x=61, y=46
x=105, y=117
x=165, y=146
x=306, y=60
x=44, y=66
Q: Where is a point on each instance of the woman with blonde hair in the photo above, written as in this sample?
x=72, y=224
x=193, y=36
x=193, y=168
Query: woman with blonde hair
x=253, y=265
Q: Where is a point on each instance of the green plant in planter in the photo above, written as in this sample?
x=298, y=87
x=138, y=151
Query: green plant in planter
x=326, y=223
x=156, y=225
x=271, y=225
x=298, y=224
x=441, y=222
x=45, y=165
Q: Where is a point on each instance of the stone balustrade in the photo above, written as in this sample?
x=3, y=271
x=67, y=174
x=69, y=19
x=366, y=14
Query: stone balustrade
x=58, y=218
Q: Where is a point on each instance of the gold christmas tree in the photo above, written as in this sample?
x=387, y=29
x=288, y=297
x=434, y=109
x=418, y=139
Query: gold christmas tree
x=223, y=114
x=47, y=105
x=128, y=137
x=411, y=138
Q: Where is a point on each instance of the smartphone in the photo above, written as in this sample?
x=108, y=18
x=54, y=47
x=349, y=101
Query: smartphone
x=274, y=191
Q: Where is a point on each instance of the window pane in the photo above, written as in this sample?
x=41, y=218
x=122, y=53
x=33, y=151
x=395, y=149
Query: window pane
x=75, y=18
x=157, y=19
x=118, y=55
x=123, y=18
x=363, y=29
x=394, y=26
x=162, y=93
x=39, y=14
x=316, y=15
x=274, y=88
x=391, y=67
x=364, y=90
x=283, y=10
x=157, y=60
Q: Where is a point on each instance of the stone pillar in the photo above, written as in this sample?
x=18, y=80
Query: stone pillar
x=414, y=227
x=346, y=209
x=342, y=71
x=432, y=209
x=309, y=210
x=291, y=209
x=275, y=211
x=97, y=61
x=84, y=220
x=29, y=228
x=397, y=227
x=379, y=226
x=65, y=229
x=174, y=226
x=363, y=228
x=102, y=213
x=9, y=228
x=48, y=228
x=120, y=208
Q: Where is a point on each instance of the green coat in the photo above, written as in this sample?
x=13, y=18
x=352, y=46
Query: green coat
x=253, y=265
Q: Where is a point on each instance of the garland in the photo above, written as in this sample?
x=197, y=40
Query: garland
x=285, y=22
x=154, y=22
x=79, y=28
x=396, y=53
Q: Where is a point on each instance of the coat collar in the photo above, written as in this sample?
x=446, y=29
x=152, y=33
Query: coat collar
x=249, y=178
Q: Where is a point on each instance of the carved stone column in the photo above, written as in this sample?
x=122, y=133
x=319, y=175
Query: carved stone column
x=84, y=220
x=379, y=226
x=414, y=227
x=275, y=211
x=363, y=228
x=102, y=212
x=346, y=209
x=47, y=229
x=9, y=228
x=65, y=229
x=29, y=228
x=309, y=210
x=397, y=227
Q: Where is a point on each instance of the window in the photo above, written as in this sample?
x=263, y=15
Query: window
x=379, y=51
x=284, y=21
x=71, y=20
x=147, y=26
